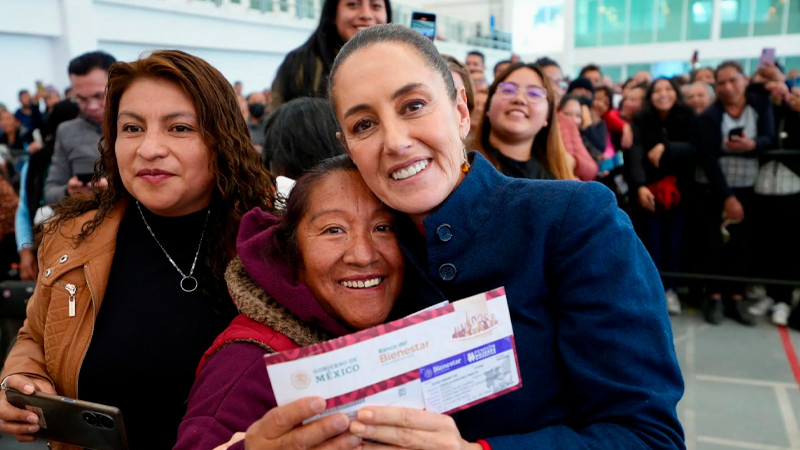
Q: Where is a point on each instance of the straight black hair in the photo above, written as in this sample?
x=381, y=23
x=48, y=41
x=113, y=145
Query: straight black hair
x=300, y=134
x=85, y=63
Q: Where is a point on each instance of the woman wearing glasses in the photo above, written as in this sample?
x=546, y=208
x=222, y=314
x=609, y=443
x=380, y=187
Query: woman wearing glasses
x=519, y=133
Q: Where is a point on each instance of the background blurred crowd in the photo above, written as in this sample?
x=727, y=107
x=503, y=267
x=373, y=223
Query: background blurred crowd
x=705, y=163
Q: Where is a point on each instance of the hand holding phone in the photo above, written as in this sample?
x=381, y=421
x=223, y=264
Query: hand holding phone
x=85, y=178
x=72, y=421
x=738, y=131
x=20, y=423
x=424, y=23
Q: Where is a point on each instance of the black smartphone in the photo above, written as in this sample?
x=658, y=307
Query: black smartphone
x=76, y=422
x=424, y=23
x=85, y=178
x=738, y=131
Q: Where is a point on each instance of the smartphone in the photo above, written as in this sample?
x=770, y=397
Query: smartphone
x=76, y=422
x=37, y=136
x=738, y=131
x=424, y=23
x=85, y=178
x=606, y=165
x=40, y=88
x=767, y=57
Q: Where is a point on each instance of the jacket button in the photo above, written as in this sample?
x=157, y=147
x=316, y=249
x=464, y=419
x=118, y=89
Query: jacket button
x=444, y=232
x=447, y=271
x=63, y=259
x=47, y=273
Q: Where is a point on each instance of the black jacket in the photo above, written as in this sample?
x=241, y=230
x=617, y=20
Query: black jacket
x=675, y=132
x=708, y=139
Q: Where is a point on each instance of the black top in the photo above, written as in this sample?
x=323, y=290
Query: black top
x=676, y=132
x=149, y=334
x=531, y=168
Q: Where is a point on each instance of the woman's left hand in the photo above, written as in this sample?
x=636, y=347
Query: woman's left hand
x=407, y=428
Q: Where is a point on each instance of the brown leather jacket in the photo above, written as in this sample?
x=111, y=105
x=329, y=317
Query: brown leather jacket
x=59, y=326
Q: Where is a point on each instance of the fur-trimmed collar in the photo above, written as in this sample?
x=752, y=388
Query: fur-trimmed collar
x=257, y=304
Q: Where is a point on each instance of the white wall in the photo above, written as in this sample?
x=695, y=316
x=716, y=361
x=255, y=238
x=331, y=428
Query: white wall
x=39, y=37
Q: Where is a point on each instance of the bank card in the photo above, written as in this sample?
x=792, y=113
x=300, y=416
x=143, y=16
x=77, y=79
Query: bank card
x=442, y=359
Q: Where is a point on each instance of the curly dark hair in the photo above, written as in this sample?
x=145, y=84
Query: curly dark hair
x=242, y=182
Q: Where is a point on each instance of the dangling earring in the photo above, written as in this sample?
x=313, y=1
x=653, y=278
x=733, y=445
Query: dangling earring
x=465, y=165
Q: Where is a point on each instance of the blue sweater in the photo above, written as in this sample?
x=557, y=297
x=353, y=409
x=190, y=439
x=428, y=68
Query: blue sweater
x=590, y=321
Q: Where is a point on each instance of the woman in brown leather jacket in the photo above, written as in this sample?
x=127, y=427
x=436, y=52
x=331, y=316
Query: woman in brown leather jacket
x=130, y=291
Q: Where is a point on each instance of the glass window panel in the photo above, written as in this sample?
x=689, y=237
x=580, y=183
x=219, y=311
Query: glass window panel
x=794, y=17
x=612, y=22
x=699, y=23
x=633, y=68
x=641, y=29
x=751, y=66
x=614, y=72
x=735, y=17
x=792, y=62
x=670, y=20
x=586, y=20
x=769, y=17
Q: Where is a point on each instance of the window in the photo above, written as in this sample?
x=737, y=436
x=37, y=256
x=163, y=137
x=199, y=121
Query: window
x=736, y=17
x=670, y=20
x=792, y=62
x=769, y=17
x=633, y=68
x=613, y=72
x=794, y=17
x=642, y=14
x=699, y=19
x=613, y=22
x=586, y=22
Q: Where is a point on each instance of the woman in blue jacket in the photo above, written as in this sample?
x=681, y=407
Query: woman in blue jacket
x=594, y=341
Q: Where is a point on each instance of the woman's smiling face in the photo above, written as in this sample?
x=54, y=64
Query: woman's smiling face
x=351, y=260
x=401, y=127
x=514, y=111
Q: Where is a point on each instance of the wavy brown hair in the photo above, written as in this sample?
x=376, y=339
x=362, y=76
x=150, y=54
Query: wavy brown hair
x=242, y=182
x=547, y=147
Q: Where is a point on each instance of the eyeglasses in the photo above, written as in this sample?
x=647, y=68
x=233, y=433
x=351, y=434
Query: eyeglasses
x=511, y=90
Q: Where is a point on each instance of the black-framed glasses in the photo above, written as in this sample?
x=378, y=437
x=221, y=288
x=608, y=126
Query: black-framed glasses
x=511, y=90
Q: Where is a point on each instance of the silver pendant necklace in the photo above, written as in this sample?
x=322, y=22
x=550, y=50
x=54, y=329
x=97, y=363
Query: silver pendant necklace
x=191, y=282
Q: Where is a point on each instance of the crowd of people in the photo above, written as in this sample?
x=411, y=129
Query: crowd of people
x=177, y=230
x=705, y=164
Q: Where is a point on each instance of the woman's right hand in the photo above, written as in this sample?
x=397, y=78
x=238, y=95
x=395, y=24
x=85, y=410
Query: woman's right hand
x=19, y=422
x=282, y=428
x=646, y=199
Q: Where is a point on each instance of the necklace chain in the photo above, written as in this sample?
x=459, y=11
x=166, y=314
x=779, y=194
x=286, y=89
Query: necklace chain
x=189, y=277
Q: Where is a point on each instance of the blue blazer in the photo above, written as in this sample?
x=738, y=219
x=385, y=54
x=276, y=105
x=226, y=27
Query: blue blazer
x=593, y=337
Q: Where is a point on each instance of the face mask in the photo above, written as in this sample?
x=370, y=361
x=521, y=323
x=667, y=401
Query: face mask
x=256, y=110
